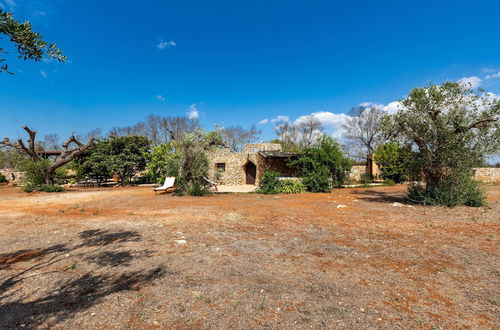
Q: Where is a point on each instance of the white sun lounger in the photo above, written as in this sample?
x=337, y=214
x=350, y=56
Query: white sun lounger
x=169, y=183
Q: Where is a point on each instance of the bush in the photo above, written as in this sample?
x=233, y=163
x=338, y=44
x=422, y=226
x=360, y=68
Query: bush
x=390, y=158
x=51, y=188
x=459, y=191
x=2, y=178
x=389, y=182
x=269, y=183
x=317, y=181
x=291, y=187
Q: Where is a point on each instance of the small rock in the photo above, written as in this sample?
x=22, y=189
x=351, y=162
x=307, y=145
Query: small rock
x=180, y=241
x=341, y=206
x=92, y=314
x=361, y=309
x=396, y=204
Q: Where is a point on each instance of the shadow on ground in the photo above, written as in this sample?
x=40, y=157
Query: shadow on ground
x=74, y=292
x=381, y=196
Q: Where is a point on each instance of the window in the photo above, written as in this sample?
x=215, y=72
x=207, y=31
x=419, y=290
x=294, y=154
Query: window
x=220, y=167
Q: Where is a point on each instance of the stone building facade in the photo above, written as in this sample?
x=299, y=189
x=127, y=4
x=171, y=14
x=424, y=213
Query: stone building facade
x=246, y=167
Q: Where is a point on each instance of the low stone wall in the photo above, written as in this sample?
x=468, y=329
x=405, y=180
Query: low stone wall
x=12, y=176
x=356, y=172
x=487, y=174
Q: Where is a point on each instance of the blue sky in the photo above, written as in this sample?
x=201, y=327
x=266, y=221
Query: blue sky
x=239, y=62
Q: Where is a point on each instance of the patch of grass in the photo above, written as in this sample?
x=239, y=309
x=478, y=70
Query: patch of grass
x=62, y=211
x=493, y=302
x=73, y=265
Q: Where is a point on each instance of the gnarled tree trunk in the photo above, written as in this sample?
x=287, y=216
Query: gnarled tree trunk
x=66, y=156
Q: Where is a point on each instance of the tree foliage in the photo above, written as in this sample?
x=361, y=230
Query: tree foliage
x=362, y=129
x=322, y=166
x=163, y=161
x=295, y=136
x=448, y=129
x=71, y=149
x=122, y=156
x=391, y=159
x=30, y=44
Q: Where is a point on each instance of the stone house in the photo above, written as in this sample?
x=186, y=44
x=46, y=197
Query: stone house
x=246, y=167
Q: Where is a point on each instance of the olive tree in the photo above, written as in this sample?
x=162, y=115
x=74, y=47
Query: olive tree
x=449, y=129
x=30, y=44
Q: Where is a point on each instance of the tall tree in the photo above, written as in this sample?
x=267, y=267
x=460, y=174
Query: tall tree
x=296, y=136
x=363, y=131
x=236, y=136
x=449, y=129
x=30, y=44
x=68, y=153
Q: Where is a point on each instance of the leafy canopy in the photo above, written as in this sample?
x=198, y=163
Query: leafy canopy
x=30, y=44
x=323, y=165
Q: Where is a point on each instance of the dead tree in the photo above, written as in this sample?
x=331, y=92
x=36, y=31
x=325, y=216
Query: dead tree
x=67, y=154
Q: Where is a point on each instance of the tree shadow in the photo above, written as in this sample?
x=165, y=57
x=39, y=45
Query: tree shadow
x=75, y=292
x=381, y=196
x=99, y=237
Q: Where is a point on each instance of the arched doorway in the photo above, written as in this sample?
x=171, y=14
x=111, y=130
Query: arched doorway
x=251, y=172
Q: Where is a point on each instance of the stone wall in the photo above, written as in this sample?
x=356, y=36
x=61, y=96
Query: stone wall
x=234, y=173
x=256, y=147
x=487, y=174
x=12, y=176
x=356, y=172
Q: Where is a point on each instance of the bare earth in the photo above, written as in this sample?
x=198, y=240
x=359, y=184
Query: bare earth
x=124, y=258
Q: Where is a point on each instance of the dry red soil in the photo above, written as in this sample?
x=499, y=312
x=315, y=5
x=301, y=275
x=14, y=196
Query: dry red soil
x=124, y=258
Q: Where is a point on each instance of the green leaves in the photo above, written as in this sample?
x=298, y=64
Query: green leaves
x=30, y=44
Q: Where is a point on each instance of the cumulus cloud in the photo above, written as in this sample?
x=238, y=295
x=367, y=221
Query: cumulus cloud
x=160, y=97
x=277, y=119
x=43, y=73
x=473, y=81
x=493, y=75
x=193, y=112
x=166, y=44
x=263, y=121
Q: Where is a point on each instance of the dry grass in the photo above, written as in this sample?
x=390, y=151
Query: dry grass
x=116, y=258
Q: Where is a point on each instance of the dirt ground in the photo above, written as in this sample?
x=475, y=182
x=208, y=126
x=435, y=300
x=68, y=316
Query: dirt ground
x=352, y=259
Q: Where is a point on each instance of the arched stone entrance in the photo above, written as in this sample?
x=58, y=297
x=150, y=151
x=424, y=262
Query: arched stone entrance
x=250, y=172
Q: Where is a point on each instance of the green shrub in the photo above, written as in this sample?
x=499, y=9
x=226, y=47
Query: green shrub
x=29, y=187
x=389, y=182
x=2, y=178
x=317, y=181
x=391, y=159
x=33, y=172
x=269, y=183
x=196, y=189
x=291, y=187
x=458, y=191
x=51, y=188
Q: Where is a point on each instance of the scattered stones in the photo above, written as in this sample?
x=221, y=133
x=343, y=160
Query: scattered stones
x=341, y=206
x=396, y=204
x=180, y=241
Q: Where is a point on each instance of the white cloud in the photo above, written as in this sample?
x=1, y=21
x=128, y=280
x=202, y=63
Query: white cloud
x=166, y=44
x=40, y=13
x=493, y=75
x=43, y=74
x=160, y=97
x=193, y=112
x=473, y=81
x=331, y=122
x=263, y=121
x=280, y=118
